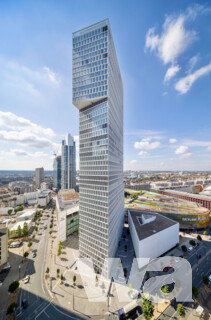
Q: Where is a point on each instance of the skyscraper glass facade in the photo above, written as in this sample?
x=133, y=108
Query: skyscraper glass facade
x=68, y=163
x=98, y=94
x=57, y=172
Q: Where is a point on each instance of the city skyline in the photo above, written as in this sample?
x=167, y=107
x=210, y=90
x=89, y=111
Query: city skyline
x=165, y=60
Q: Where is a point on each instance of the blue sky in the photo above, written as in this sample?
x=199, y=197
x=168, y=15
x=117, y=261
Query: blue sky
x=164, y=52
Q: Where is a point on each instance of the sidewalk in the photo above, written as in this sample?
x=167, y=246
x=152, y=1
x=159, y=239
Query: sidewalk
x=15, y=260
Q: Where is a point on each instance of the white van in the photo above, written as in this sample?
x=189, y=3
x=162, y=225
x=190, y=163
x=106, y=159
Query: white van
x=134, y=294
x=190, y=249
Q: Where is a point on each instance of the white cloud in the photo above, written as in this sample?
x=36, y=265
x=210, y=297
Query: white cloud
x=184, y=84
x=24, y=153
x=52, y=76
x=12, y=121
x=171, y=72
x=181, y=150
x=161, y=163
x=143, y=153
x=192, y=62
x=197, y=143
x=172, y=140
x=164, y=93
x=173, y=41
x=26, y=138
x=186, y=155
x=133, y=161
x=146, y=145
x=209, y=148
x=184, y=152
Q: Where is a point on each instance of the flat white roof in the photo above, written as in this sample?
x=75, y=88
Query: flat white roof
x=20, y=223
x=27, y=213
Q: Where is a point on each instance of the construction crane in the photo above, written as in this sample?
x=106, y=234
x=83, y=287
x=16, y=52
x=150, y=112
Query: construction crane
x=55, y=153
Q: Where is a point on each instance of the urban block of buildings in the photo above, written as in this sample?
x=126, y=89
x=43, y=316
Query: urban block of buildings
x=202, y=198
x=189, y=215
x=98, y=95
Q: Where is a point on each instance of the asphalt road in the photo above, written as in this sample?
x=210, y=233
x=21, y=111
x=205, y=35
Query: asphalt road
x=40, y=303
x=200, y=267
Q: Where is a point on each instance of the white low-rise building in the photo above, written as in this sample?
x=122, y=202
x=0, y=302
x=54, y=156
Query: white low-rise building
x=26, y=215
x=3, y=246
x=21, y=224
x=152, y=235
x=67, y=205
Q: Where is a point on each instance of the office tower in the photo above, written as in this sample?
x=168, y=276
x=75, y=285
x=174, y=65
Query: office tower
x=98, y=94
x=68, y=163
x=57, y=172
x=39, y=176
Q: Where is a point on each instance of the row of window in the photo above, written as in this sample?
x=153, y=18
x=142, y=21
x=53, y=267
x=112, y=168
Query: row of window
x=89, y=81
x=89, y=92
x=87, y=35
x=91, y=85
x=77, y=66
x=87, y=76
x=93, y=53
x=90, y=65
x=90, y=40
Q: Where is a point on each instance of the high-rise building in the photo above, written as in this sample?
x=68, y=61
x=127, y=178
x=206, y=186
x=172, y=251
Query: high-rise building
x=98, y=94
x=57, y=172
x=39, y=176
x=68, y=163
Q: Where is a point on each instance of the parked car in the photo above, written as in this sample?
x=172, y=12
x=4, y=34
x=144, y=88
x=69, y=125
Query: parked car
x=134, y=294
x=34, y=255
x=196, y=245
x=190, y=249
x=166, y=269
x=24, y=303
x=45, y=227
x=26, y=279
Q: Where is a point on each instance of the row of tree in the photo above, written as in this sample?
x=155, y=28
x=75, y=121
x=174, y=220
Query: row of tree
x=20, y=232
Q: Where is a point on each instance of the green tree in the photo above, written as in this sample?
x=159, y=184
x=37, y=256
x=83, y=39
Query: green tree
x=20, y=208
x=148, y=309
x=8, y=233
x=205, y=233
x=74, y=280
x=205, y=280
x=195, y=292
x=29, y=244
x=58, y=271
x=47, y=270
x=13, y=306
x=184, y=248
x=181, y=310
x=25, y=229
x=13, y=233
x=199, y=237
x=25, y=254
x=165, y=291
x=13, y=286
x=9, y=211
x=192, y=242
x=19, y=231
x=147, y=275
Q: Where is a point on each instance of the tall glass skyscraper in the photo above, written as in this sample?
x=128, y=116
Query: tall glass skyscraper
x=68, y=163
x=57, y=172
x=98, y=94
